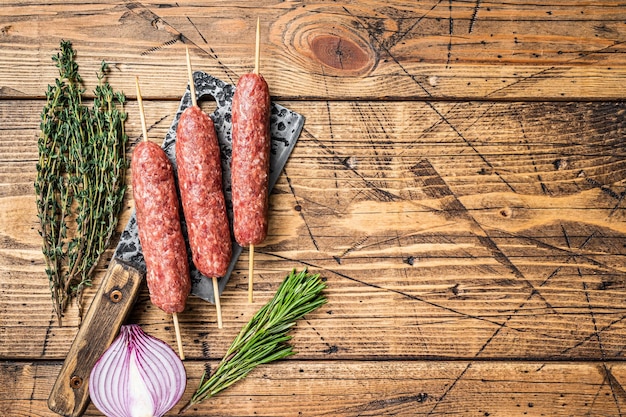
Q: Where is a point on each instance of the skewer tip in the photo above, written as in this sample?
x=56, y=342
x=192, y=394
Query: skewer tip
x=192, y=85
x=142, y=115
x=179, y=341
x=251, y=274
x=218, y=306
x=257, y=49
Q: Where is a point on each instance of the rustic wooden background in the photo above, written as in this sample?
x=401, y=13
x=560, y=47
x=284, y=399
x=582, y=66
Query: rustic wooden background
x=459, y=182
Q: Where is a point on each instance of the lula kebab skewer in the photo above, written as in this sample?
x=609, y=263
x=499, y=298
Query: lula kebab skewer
x=202, y=196
x=158, y=222
x=250, y=160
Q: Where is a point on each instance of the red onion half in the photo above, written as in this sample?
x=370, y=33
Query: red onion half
x=137, y=376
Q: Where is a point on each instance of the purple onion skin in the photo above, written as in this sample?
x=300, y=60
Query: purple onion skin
x=137, y=376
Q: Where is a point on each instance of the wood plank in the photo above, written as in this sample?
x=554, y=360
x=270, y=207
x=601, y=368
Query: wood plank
x=459, y=183
x=450, y=230
x=322, y=50
x=401, y=388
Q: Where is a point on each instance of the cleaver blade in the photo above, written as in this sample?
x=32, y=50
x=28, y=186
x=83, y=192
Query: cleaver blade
x=285, y=128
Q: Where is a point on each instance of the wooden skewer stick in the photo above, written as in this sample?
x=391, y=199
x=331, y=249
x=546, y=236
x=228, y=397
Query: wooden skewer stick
x=192, y=85
x=179, y=341
x=257, y=54
x=257, y=49
x=141, y=113
x=251, y=273
x=218, y=306
x=216, y=292
x=144, y=129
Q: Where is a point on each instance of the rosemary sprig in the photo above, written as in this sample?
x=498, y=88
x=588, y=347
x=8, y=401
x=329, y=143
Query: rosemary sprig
x=265, y=337
x=80, y=177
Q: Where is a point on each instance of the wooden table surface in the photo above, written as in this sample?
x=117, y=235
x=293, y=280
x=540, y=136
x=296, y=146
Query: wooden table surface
x=459, y=183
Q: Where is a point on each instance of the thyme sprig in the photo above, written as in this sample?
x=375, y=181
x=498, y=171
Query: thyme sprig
x=80, y=177
x=265, y=337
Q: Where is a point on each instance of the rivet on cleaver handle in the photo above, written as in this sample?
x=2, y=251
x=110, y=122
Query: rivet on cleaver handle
x=109, y=308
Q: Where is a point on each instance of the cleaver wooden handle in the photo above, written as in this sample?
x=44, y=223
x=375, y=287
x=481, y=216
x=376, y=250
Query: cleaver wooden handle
x=107, y=312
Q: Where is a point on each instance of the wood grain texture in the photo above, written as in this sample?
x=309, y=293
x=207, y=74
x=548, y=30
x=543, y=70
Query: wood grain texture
x=459, y=184
x=401, y=388
x=459, y=215
x=426, y=50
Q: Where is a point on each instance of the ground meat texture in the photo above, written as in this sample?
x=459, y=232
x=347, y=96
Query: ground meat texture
x=250, y=159
x=202, y=197
x=160, y=234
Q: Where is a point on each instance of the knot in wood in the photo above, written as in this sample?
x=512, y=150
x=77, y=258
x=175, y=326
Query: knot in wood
x=328, y=40
x=506, y=212
x=340, y=53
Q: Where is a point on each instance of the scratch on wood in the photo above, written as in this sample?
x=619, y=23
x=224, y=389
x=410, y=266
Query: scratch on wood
x=196, y=28
x=449, y=388
x=617, y=390
x=543, y=245
x=332, y=137
x=606, y=190
x=352, y=248
x=553, y=71
x=44, y=346
x=566, y=236
x=159, y=47
x=382, y=404
x=230, y=73
x=436, y=187
x=399, y=35
x=618, y=204
x=523, y=304
x=450, y=33
x=587, y=338
x=32, y=395
x=616, y=387
x=330, y=349
x=206, y=351
x=469, y=143
x=391, y=290
x=382, y=46
x=474, y=16
x=544, y=187
x=141, y=10
x=419, y=19
x=382, y=195
x=461, y=314
x=381, y=159
x=596, y=333
x=155, y=20
x=304, y=219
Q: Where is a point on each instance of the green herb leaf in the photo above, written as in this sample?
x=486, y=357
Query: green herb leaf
x=264, y=338
x=80, y=177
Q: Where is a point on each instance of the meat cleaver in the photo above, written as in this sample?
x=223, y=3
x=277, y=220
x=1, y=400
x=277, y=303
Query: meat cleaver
x=121, y=284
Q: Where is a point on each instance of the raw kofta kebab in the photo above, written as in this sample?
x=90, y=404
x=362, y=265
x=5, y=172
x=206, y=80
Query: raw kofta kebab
x=201, y=193
x=250, y=165
x=158, y=223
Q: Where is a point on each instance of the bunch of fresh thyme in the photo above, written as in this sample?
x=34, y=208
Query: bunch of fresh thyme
x=264, y=339
x=80, y=180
